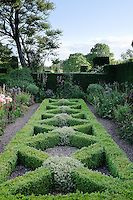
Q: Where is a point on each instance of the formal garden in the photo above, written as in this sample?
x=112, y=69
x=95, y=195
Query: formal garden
x=66, y=131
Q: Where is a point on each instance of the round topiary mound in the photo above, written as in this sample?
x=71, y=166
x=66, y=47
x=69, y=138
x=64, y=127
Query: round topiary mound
x=63, y=102
x=64, y=134
x=64, y=109
x=62, y=168
x=61, y=119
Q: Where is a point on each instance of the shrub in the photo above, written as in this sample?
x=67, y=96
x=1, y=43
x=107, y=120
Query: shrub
x=62, y=167
x=68, y=90
x=124, y=118
x=106, y=103
x=49, y=93
x=32, y=89
x=23, y=98
x=64, y=134
x=93, y=90
x=61, y=119
x=2, y=121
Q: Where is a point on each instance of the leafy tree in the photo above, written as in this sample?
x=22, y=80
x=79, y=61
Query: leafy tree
x=99, y=50
x=5, y=53
x=25, y=23
x=127, y=56
x=74, y=62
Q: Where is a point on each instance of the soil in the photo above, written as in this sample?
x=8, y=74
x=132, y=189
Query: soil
x=112, y=129
x=19, y=171
x=61, y=151
x=103, y=170
x=13, y=128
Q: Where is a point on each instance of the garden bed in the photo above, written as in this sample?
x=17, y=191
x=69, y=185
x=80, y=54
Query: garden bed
x=98, y=167
x=13, y=128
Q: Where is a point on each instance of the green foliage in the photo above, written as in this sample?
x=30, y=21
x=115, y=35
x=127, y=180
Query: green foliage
x=44, y=141
x=127, y=56
x=106, y=103
x=64, y=134
x=92, y=91
x=81, y=140
x=68, y=89
x=62, y=167
x=99, y=50
x=124, y=118
x=74, y=62
x=86, y=182
x=5, y=53
x=98, y=147
x=21, y=74
x=31, y=157
x=23, y=98
x=2, y=121
x=105, y=99
x=92, y=156
x=32, y=89
x=38, y=182
x=31, y=19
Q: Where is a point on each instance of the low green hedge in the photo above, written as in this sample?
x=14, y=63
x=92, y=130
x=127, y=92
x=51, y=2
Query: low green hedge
x=42, y=129
x=92, y=156
x=44, y=141
x=97, y=148
x=31, y=157
x=85, y=128
x=8, y=161
x=37, y=182
x=82, y=140
x=89, y=181
x=116, y=160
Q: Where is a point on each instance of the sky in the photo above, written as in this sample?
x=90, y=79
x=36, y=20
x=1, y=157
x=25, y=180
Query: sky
x=87, y=22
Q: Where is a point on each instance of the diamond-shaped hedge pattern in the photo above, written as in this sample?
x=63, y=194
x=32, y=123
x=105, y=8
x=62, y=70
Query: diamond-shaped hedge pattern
x=65, y=122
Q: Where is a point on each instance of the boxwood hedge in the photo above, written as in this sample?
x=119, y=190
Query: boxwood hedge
x=95, y=148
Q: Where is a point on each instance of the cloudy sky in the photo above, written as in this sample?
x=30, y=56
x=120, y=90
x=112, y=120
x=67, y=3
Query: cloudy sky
x=87, y=22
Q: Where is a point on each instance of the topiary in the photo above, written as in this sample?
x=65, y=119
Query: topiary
x=62, y=168
x=64, y=134
x=61, y=119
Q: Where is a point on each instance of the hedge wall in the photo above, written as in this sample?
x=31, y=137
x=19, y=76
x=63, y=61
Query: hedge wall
x=82, y=79
x=120, y=73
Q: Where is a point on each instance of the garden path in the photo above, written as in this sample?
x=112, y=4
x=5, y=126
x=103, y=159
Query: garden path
x=13, y=128
x=112, y=129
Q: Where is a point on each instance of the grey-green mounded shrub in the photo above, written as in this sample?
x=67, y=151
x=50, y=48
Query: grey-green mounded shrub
x=62, y=167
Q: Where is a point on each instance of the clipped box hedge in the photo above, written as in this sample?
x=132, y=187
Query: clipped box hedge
x=95, y=148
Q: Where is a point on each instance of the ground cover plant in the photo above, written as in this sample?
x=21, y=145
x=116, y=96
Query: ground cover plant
x=114, y=102
x=78, y=175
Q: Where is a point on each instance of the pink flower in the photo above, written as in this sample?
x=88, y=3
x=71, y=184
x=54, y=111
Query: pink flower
x=2, y=100
x=8, y=99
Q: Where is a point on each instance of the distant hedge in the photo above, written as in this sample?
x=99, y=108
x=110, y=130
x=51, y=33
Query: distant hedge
x=120, y=73
x=82, y=79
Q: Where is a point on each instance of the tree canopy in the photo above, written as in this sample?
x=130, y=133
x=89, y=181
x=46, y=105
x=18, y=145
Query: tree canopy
x=127, y=56
x=25, y=23
x=5, y=53
x=74, y=62
x=99, y=50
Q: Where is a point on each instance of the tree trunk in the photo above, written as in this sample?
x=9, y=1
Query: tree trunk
x=27, y=53
x=20, y=53
x=17, y=40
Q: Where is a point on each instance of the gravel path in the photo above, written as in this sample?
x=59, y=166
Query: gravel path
x=12, y=129
x=19, y=171
x=112, y=129
x=61, y=151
